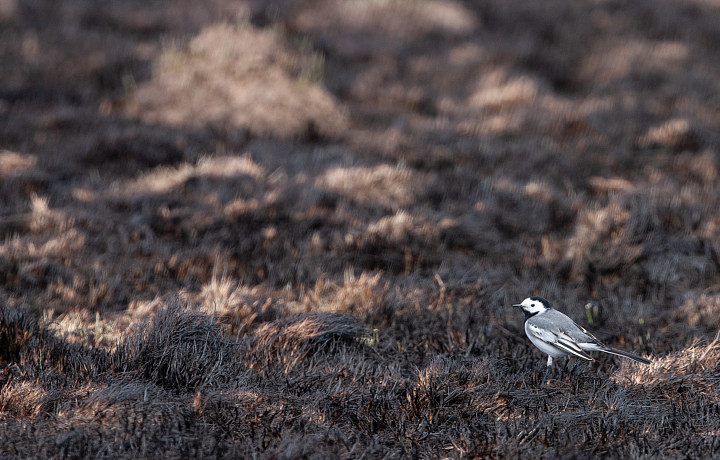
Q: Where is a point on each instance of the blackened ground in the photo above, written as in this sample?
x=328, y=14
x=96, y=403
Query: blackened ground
x=294, y=229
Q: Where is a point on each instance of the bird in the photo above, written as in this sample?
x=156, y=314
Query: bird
x=555, y=334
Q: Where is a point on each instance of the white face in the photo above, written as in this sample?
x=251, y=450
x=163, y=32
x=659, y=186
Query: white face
x=532, y=306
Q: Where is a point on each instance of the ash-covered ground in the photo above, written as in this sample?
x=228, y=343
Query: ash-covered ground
x=294, y=229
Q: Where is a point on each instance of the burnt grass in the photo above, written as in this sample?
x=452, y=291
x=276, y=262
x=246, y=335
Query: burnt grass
x=295, y=229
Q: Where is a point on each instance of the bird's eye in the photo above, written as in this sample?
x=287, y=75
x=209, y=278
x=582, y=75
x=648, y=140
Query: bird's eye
x=532, y=305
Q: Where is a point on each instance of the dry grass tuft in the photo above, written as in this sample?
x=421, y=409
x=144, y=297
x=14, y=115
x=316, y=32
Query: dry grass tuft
x=360, y=297
x=177, y=349
x=288, y=341
x=677, y=134
x=402, y=20
x=392, y=188
x=242, y=308
x=238, y=77
x=13, y=164
x=695, y=368
x=702, y=312
x=22, y=399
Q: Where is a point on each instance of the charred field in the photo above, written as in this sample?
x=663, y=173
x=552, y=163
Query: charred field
x=295, y=229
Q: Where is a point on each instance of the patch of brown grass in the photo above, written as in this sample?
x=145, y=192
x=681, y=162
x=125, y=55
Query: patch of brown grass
x=23, y=399
x=239, y=77
x=702, y=312
x=289, y=341
x=695, y=368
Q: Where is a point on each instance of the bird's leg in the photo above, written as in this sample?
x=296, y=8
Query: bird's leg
x=548, y=369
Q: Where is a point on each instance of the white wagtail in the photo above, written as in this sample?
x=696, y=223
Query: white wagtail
x=557, y=335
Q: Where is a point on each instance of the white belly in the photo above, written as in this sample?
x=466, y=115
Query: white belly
x=544, y=346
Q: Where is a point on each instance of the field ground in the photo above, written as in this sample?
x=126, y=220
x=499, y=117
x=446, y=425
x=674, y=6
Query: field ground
x=293, y=229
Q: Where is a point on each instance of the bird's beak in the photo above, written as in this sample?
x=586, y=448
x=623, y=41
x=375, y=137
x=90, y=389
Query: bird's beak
x=517, y=305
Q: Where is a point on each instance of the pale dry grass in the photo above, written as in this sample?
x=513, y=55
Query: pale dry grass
x=79, y=327
x=396, y=18
x=676, y=134
x=695, y=368
x=614, y=61
x=239, y=77
x=499, y=91
x=392, y=188
x=243, y=308
x=15, y=164
x=358, y=296
x=701, y=312
x=23, y=399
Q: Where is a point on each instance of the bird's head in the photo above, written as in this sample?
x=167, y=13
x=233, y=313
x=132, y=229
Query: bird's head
x=533, y=305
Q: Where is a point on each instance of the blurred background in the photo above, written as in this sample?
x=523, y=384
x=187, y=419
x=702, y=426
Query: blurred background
x=567, y=149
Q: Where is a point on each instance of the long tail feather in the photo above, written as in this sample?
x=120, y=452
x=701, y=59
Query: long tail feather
x=625, y=354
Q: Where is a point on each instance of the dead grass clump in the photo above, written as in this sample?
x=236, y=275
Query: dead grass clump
x=294, y=339
x=397, y=243
x=178, y=349
x=22, y=399
x=699, y=167
x=678, y=135
x=44, y=219
x=81, y=326
x=400, y=227
x=14, y=164
x=359, y=296
x=497, y=90
x=694, y=368
x=221, y=174
x=382, y=185
x=239, y=77
x=239, y=306
x=400, y=20
x=701, y=312
x=604, y=240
